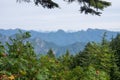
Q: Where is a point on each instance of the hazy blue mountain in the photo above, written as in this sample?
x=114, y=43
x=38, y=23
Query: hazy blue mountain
x=63, y=38
x=42, y=47
x=3, y=38
x=9, y=32
x=60, y=41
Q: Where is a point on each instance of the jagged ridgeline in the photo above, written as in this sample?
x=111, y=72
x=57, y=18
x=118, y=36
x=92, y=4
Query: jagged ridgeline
x=59, y=41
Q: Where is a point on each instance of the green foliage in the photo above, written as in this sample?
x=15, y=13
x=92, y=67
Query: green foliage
x=66, y=60
x=98, y=61
x=51, y=54
x=2, y=50
x=20, y=57
x=90, y=73
x=95, y=57
x=115, y=46
x=86, y=6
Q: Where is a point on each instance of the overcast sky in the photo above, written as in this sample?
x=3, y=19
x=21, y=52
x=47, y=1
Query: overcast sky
x=30, y=17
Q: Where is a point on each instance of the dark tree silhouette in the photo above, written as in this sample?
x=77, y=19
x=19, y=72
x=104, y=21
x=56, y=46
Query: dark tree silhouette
x=86, y=6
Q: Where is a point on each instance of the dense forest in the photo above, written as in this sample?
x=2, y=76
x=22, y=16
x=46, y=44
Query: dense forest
x=98, y=61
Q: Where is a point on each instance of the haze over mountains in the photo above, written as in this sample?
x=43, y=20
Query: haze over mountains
x=60, y=41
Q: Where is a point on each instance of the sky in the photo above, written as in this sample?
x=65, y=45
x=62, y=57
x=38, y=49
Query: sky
x=30, y=17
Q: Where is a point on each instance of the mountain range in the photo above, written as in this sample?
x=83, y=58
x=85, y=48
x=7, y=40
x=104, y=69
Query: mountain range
x=60, y=41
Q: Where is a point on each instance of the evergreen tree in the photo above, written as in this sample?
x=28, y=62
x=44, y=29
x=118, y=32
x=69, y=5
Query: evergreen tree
x=86, y=6
x=98, y=57
x=115, y=45
x=104, y=40
x=2, y=50
x=66, y=59
x=51, y=54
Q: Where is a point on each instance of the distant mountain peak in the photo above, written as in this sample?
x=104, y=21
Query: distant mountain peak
x=60, y=40
x=61, y=31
